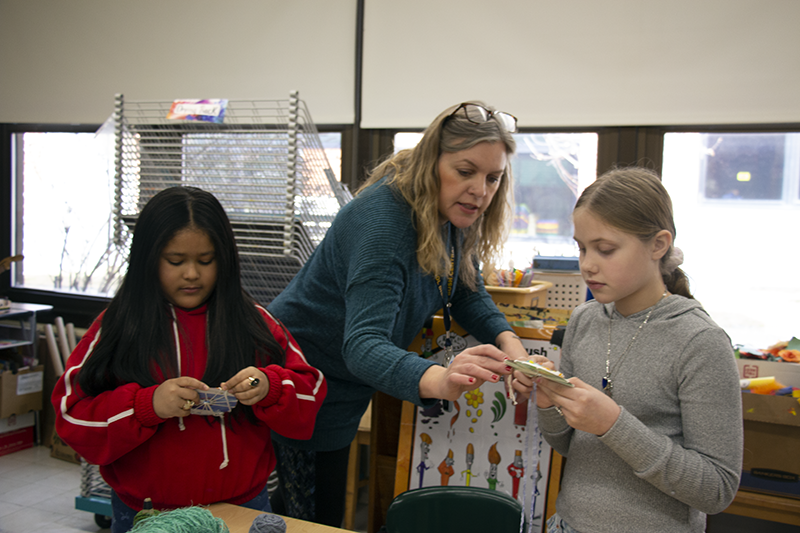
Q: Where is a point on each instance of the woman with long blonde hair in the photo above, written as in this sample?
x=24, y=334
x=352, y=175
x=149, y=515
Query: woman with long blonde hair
x=409, y=244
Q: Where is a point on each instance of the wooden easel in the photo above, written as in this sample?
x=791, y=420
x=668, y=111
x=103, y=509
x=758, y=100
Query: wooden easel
x=405, y=452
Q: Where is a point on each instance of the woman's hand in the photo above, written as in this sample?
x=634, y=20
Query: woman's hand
x=469, y=370
x=249, y=385
x=510, y=343
x=584, y=407
x=175, y=397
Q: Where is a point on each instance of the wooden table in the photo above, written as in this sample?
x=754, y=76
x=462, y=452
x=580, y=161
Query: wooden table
x=354, y=482
x=239, y=519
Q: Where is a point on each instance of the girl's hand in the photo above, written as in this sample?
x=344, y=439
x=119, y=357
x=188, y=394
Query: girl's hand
x=469, y=370
x=249, y=385
x=521, y=386
x=175, y=397
x=584, y=407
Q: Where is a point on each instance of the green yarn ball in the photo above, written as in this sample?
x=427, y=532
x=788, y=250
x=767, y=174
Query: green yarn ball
x=184, y=520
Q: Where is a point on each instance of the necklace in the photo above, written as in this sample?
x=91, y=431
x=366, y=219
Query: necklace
x=608, y=384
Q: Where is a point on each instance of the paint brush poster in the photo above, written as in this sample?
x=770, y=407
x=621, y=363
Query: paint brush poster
x=482, y=440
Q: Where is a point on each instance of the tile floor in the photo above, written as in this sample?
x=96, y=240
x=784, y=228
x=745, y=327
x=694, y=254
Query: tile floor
x=37, y=495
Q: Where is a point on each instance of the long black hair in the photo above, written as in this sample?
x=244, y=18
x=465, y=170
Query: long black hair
x=137, y=343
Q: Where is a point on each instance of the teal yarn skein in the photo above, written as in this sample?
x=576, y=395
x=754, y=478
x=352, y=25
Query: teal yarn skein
x=184, y=520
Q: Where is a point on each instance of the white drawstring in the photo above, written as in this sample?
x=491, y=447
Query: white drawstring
x=178, y=350
x=177, y=338
x=224, y=443
x=180, y=420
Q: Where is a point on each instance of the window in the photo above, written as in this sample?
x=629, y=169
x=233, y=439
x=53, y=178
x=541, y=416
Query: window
x=550, y=171
x=332, y=144
x=63, y=198
x=735, y=198
x=743, y=166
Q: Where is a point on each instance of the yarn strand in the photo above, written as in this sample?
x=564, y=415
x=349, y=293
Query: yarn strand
x=531, y=460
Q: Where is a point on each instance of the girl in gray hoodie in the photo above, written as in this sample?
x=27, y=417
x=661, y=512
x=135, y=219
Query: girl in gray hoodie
x=652, y=430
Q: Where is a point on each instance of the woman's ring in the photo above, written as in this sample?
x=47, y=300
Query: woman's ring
x=187, y=405
x=558, y=410
x=254, y=381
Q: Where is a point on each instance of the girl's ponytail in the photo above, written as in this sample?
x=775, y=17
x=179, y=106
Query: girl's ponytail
x=674, y=278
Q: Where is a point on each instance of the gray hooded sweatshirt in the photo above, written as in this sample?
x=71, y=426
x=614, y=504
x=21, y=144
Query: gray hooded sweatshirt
x=675, y=452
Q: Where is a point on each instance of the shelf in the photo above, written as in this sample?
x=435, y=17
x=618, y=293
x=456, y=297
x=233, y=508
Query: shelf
x=766, y=507
x=18, y=324
x=17, y=328
x=12, y=343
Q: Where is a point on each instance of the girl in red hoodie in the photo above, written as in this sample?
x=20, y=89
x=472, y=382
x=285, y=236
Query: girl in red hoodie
x=181, y=326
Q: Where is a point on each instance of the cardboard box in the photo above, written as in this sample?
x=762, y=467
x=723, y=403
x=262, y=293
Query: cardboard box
x=16, y=440
x=61, y=450
x=47, y=416
x=21, y=393
x=771, y=462
x=14, y=422
x=786, y=373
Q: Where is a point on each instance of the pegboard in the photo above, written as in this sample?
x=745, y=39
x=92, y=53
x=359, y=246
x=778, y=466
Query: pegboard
x=568, y=290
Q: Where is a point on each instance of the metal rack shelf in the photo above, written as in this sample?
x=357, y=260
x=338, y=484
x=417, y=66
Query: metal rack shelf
x=265, y=163
x=18, y=326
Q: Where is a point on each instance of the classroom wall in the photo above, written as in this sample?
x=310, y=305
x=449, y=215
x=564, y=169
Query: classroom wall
x=63, y=61
x=584, y=62
x=550, y=62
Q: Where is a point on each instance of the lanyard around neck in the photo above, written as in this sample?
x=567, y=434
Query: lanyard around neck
x=448, y=296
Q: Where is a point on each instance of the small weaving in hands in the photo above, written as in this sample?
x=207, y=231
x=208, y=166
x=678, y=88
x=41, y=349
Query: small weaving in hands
x=535, y=370
x=214, y=402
